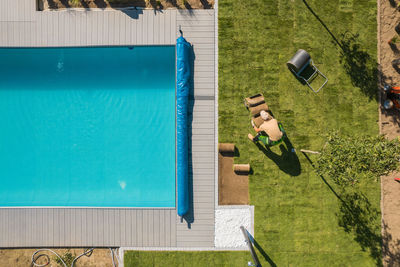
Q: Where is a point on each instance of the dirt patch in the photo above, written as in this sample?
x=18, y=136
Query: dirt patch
x=152, y=4
x=391, y=220
x=22, y=257
x=389, y=53
x=389, y=18
x=233, y=188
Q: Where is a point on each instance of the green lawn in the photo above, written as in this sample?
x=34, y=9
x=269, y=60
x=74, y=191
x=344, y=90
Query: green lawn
x=186, y=259
x=299, y=221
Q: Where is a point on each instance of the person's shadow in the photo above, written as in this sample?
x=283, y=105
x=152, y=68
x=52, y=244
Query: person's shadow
x=287, y=161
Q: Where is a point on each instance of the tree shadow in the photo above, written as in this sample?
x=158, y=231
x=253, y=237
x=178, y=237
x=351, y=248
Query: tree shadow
x=396, y=65
x=187, y=5
x=102, y=4
x=157, y=5
x=173, y=3
x=394, y=48
x=130, y=10
x=359, y=65
x=397, y=28
x=206, y=4
x=322, y=23
x=116, y=4
x=97, y=4
x=390, y=247
x=393, y=113
x=356, y=216
x=53, y=5
x=189, y=216
x=287, y=161
x=392, y=3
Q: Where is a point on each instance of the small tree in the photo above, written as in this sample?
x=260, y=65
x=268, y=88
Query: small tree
x=348, y=160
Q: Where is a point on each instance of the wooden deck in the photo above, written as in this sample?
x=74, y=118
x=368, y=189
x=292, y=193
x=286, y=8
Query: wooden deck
x=22, y=26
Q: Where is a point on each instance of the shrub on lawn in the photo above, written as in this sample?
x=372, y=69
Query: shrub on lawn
x=348, y=160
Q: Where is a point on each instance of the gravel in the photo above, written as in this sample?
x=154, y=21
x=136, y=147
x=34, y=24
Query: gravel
x=227, y=226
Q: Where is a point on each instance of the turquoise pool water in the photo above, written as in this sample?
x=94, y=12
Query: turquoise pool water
x=88, y=127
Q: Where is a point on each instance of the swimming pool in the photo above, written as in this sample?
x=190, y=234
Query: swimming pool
x=87, y=127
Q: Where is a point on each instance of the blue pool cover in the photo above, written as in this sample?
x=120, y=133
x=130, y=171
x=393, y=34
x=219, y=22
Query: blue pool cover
x=182, y=99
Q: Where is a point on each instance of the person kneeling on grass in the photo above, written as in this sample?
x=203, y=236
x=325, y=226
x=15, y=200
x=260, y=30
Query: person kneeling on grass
x=270, y=133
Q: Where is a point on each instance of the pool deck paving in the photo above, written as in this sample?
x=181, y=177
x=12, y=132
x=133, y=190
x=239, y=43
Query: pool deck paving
x=22, y=26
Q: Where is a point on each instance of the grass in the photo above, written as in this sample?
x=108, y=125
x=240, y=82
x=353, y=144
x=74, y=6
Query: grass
x=183, y=259
x=301, y=219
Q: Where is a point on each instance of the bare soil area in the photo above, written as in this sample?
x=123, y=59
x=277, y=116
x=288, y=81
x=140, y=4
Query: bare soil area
x=391, y=219
x=233, y=188
x=22, y=257
x=389, y=54
x=152, y=4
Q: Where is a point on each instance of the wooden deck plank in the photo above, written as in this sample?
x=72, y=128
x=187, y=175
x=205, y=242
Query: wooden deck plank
x=173, y=229
x=132, y=232
x=162, y=230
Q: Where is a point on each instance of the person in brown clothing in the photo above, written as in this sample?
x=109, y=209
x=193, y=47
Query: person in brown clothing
x=270, y=132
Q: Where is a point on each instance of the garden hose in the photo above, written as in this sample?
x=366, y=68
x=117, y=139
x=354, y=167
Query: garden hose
x=87, y=252
x=35, y=258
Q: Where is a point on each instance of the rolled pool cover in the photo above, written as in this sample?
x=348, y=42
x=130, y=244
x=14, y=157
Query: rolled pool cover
x=182, y=98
